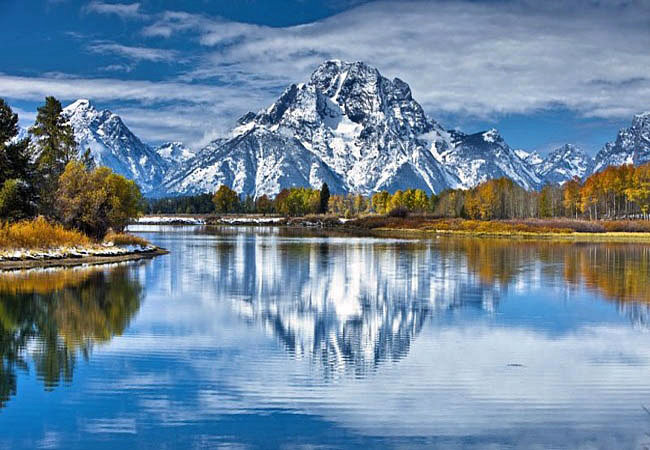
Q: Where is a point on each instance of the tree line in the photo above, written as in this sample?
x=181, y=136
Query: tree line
x=618, y=192
x=44, y=174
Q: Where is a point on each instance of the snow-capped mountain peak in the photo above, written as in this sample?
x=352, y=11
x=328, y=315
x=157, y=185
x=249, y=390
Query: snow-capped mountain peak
x=482, y=156
x=347, y=125
x=492, y=135
x=632, y=145
x=563, y=164
x=79, y=104
x=113, y=145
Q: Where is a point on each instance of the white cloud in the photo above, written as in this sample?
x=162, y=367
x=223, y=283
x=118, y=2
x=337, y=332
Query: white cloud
x=122, y=10
x=117, y=68
x=459, y=57
x=163, y=111
x=134, y=53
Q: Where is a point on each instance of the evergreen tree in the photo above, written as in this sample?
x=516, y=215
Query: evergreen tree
x=324, y=198
x=17, y=199
x=8, y=123
x=87, y=160
x=55, y=146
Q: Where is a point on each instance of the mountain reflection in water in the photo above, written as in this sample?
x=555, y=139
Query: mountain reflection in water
x=348, y=303
x=51, y=316
x=319, y=339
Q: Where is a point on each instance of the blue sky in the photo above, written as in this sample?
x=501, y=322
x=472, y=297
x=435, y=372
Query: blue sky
x=543, y=73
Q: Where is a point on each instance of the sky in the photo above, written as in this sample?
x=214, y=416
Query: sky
x=542, y=73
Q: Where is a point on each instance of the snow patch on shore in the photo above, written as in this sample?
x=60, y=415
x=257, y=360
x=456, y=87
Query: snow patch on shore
x=251, y=220
x=73, y=252
x=168, y=220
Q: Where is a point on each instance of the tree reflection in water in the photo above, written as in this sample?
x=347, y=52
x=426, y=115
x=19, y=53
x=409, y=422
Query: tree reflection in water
x=51, y=316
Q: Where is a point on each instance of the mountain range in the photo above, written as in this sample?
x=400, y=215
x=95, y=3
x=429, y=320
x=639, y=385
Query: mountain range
x=350, y=127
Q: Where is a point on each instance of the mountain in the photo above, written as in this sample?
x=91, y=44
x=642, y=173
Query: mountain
x=348, y=126
x=174, y=152
x=564, y=164
x=254, y=163
x=475, y=158
x=113, y=145
x=632, y=145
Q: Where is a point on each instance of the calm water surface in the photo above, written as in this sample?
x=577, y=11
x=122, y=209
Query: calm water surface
x=263, y=337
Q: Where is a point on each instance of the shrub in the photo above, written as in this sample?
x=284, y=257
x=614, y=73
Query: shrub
x=94, y=201
x=628, y=226
x=39, y=234
x=125, y=239
x=399, y=211
x=15, y=200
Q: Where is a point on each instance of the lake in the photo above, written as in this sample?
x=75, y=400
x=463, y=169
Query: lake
x=278, y=338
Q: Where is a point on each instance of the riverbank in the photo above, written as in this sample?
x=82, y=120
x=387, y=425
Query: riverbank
x=39, y=243
x=17, y=260
x=421, y=226
x=557, y=229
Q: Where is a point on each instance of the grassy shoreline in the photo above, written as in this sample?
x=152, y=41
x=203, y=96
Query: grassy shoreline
x=570, y=230
x=39, y=243
x=568, y=237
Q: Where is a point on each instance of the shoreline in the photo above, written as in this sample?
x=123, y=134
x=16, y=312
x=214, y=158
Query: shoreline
x=20, y=264
x=614, y=237
x=427, y=228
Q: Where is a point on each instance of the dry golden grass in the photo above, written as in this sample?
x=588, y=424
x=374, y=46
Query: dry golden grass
x=457, y=225
x=39, y=234
x=125, y=239
x=522, y=227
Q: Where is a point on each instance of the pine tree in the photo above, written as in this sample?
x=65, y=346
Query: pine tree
x=17, y=199
x=324, y=198
x=56, y=147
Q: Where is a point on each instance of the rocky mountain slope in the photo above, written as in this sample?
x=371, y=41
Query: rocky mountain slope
x=475, y=158
x=564, y=164
x=632, y=145
x=113, y=145
x=174, y=152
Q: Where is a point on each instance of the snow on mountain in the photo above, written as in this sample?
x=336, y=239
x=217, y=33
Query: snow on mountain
x=22, y=134
x=348, y=126
x=174, y=152
x=475, y=158
x=530, y=158
x=564, y=164
x=113, y=145
x=255, y=162
x=632, y=145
